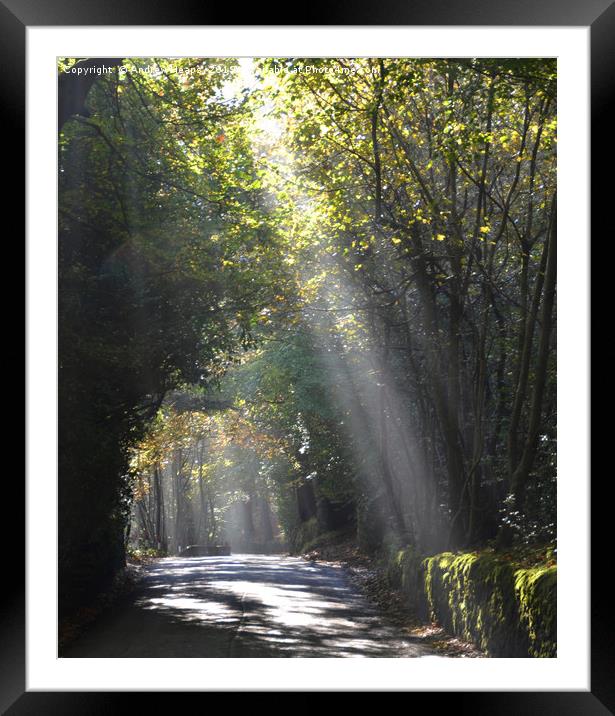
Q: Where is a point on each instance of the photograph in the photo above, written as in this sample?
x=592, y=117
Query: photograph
x=307, y=366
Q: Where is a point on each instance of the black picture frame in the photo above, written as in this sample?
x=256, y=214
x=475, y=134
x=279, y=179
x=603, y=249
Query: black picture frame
x=599, y=15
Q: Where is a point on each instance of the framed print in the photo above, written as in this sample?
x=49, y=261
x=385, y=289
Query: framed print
x=295, y=300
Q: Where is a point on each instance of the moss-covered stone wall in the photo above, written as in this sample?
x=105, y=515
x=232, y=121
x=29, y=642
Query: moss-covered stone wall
x=506, y=609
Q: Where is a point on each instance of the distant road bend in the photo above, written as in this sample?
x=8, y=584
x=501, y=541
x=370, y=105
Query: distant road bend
x=245, y=606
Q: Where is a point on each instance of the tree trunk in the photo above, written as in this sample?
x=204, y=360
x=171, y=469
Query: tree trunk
x=520, y=476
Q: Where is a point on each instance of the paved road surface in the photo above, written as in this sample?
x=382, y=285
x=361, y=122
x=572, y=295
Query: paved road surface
x=245, y=606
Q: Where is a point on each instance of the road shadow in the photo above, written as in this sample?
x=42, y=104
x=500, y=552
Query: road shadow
x=245, y=606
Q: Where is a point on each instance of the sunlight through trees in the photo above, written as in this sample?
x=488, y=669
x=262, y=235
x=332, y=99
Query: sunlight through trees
x=305, y=297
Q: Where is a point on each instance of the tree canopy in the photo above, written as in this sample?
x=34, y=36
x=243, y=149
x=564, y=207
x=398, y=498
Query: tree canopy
x=302, y=295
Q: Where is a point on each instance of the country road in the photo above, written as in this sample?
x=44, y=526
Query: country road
x=245, y=606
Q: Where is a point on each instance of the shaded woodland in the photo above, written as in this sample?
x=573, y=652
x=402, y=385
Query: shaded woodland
x=296, y=302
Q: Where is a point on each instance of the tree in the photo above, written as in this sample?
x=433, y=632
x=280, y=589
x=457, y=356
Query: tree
x=163, y=270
